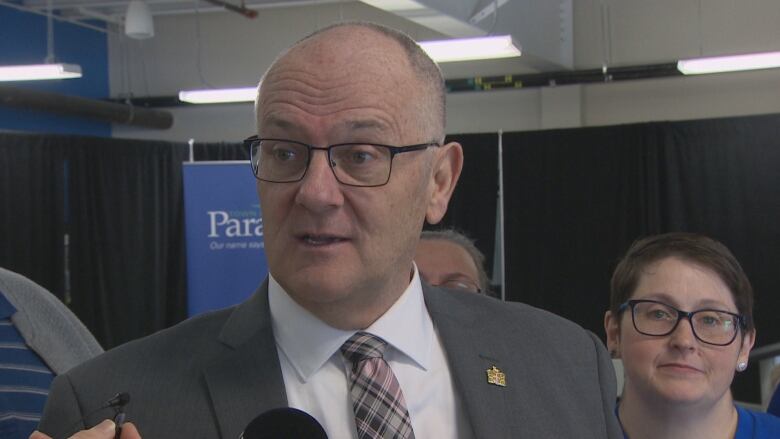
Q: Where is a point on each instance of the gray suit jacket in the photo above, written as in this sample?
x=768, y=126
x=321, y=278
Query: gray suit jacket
x=209, y=376
x=47, y=326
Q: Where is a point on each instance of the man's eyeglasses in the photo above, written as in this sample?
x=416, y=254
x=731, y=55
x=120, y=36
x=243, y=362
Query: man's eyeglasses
x=711, y=326
x=353, y=164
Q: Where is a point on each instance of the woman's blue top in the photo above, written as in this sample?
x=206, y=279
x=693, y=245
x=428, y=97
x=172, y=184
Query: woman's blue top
x=750, y=425
x=774, y=404
x=756, y=425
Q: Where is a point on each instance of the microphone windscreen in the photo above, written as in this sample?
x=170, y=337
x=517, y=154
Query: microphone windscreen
x=284, y=423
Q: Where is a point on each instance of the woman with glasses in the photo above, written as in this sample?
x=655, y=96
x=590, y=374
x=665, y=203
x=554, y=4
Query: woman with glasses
x=680, y=318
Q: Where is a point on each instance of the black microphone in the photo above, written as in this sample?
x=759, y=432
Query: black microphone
x=284, y=423
x=118, y=403
x=119, y=400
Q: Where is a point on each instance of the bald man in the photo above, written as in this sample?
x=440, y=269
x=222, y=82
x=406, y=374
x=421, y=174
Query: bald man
x=350, y=161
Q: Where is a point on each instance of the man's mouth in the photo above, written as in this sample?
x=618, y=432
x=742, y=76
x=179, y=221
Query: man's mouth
x=320, y=240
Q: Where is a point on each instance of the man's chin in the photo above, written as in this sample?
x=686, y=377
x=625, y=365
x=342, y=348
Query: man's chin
x=319, y=289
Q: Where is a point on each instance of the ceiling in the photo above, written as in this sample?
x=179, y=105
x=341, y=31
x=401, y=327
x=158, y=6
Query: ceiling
x=614, y=33
x=95, y=14
x=114, y=10
x=545, y=30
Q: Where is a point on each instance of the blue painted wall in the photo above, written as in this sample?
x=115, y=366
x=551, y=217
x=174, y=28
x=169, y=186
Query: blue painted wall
x=23, y=41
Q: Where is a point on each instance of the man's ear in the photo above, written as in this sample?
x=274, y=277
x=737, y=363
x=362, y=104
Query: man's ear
x=447, y=165
x=612, y=330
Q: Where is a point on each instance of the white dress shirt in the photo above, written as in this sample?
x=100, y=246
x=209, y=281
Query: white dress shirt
x=315, y=372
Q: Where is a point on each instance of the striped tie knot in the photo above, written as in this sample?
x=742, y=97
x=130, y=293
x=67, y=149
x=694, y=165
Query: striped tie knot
x=362, y=346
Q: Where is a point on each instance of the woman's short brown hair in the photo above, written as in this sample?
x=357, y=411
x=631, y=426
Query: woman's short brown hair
x=691, y=247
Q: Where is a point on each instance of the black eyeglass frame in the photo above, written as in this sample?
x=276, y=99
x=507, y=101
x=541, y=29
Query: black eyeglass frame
x=249, y=142
x=741, y=324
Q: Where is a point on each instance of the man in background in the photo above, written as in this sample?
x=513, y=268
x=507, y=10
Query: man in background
x=351, y=161
x=449, y=259
x=39, y=339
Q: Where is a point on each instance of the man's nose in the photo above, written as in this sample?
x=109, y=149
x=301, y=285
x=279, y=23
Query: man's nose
x=319, y=189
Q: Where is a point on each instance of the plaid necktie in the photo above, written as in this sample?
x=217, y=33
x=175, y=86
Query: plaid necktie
x=380, y=410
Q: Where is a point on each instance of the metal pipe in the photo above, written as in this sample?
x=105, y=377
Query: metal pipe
x=77, y=106
x=248, y=13
x=501, y=212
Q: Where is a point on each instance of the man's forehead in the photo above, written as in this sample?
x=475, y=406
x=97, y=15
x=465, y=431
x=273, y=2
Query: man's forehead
x=355, y=46
x=347, y=35
x=350, y=124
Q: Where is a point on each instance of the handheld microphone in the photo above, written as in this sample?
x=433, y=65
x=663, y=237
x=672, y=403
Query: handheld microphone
x=284, y=423
x=118, y=403
x=119, y=400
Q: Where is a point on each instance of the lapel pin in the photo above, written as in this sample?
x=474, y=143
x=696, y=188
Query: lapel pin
x=496, y=377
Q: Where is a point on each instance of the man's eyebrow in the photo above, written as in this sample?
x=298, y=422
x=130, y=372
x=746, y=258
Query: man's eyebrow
x=276, y=121
x=363, y=124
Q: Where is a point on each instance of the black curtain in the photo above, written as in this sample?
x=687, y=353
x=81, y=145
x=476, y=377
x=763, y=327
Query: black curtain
x=574, y=200
x=120, y=202
x=31, y=208
x=220, y=151
x=577, y=198
x=127, y=246
x=472, y=209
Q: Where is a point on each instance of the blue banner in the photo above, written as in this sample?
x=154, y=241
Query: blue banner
x=224, y=232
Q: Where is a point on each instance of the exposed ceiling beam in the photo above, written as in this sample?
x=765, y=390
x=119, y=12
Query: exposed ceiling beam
x=54, y=16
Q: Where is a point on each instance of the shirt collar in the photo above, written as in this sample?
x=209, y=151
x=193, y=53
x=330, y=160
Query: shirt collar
x=308, y=342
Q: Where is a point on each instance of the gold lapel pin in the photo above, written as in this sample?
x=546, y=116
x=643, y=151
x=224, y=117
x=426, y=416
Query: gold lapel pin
x=496, y=377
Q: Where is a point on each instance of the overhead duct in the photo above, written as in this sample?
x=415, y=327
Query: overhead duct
x=510, y=81
x=77, y=106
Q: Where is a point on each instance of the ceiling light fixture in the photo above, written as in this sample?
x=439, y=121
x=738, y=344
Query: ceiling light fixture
x=462, y=49
x=36, y=72
x=219, y=95
x=138, y=20
x=470, y=49
x=733, y=63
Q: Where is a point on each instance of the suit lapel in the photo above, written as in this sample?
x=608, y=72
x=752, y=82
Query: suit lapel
x=247, y=380
x=469, y=359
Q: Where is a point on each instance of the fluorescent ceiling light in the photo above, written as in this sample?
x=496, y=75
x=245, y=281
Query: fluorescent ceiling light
x=466, y=49
x=218, y=95
x=395, y=5
x=734, y=63
x=462, y=49
x=37, y=72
